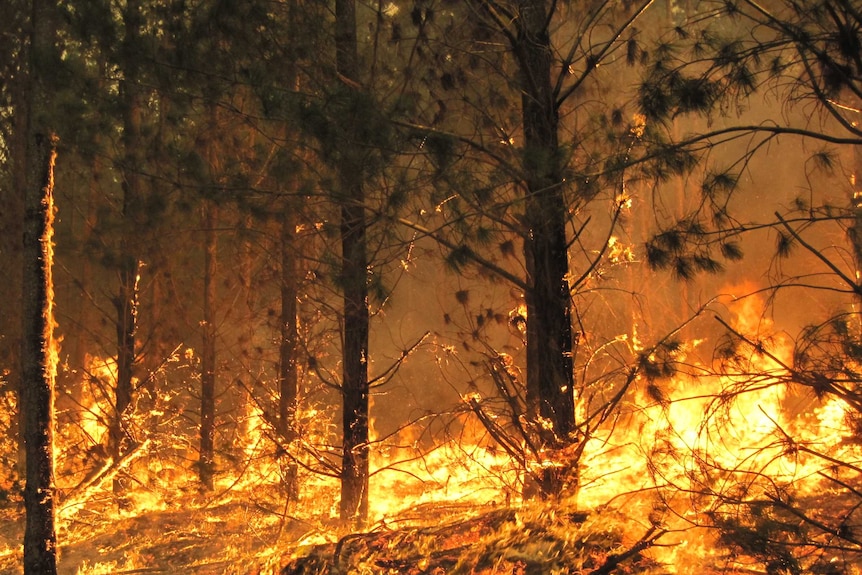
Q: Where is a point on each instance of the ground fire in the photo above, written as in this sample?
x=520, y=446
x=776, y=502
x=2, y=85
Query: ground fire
x=714, y=473
x=528, y=287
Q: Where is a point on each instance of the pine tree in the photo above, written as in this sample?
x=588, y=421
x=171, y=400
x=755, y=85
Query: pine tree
x=521, y=174
x=354, y=280
x=127, y=298
x=37, y=344
x=39, y=366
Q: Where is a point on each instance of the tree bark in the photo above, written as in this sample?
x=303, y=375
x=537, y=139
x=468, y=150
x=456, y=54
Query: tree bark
x=38, y=352
x=354, y=462
x=288, y=375
x=288, y=383
x=550, y=377
x=206, y=470
x=250, y=360
x=38, y=360
x=126, y=301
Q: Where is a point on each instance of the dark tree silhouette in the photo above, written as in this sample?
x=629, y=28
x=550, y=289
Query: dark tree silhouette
x=37, y=342
x=38, y=365
x=354, y=280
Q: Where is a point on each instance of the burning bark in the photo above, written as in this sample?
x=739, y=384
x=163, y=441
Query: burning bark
x=39, y=363
x=38, y=346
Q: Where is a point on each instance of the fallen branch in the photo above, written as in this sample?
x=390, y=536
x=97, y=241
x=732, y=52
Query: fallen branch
x=613, y=561
x=80, y=494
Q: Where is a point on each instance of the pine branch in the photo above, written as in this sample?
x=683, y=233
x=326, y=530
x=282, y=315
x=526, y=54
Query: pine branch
x=390, y=371
x=594, y=61
x=819, y=255
x=469, y=254
x=82, y=492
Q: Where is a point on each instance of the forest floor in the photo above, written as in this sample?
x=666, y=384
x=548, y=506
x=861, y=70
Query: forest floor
x=233, y=538
x=241, y=537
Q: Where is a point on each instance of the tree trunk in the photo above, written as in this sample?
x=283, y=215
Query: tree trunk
x=354, y=462
x=288, y=376
x=126, y=301
x=38, y=354
x=126, y=304
x=38, y=360
x=161, y=340
x=855, y=230
x=208, y=350
x=250, y=360
x=550, y=377
x=77, y=343
x=12, y=217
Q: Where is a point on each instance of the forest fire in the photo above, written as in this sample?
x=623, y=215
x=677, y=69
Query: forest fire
x=675, y=460
x=672, y=469
x=430, y=287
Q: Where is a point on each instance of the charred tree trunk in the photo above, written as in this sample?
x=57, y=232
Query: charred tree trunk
x=206, y=469
x=38, y=352
x=38, y=363
x=354, y=473
x=550, y=377
x=288, y=375
x=126, y=304
x=354, y=272
x=250, y=361
x=126, y=301
x=855, y=230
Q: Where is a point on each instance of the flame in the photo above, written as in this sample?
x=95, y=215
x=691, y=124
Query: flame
x=460, y=471
x=712, y=438
x=668, y=460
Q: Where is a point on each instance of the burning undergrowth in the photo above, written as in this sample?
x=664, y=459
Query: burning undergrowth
x=733, y=466
x=535, y=538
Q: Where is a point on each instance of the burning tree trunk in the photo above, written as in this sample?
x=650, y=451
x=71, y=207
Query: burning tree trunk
x=206, y=463
x=38, y=364
x=550, y=384
x=38, y=353
x=354, y=276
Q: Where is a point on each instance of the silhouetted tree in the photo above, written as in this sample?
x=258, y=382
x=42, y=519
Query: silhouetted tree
x=354, y=277
x=37, y=342
x=532, y=178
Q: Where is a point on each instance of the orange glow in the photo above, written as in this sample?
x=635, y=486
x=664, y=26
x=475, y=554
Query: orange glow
x=668, y=461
